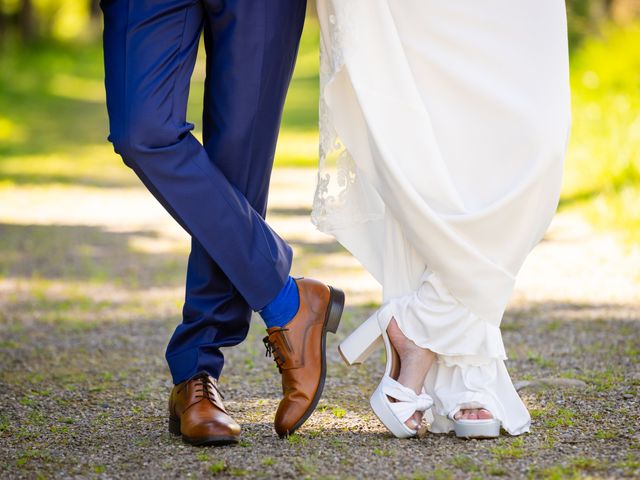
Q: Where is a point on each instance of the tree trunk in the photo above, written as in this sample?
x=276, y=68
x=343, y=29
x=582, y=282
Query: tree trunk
x=94, y=8
x=3, y=24
x=26, y=18
x=311, y=8
x=609, y=6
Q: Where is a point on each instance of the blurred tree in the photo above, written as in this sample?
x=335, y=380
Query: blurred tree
x=624, y=11
x=30, y=20
x=311, y=7
x=3, y=24
x=26, y=16
x=94, y=8
x=584, y=17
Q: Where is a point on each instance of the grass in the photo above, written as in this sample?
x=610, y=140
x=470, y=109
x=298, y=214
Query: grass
x=540, y=360
x=54, y=127
x=560, y=418
x=338, y=412
x=464, y=463
x=509, y=449
x=217, y=467
x=53, y=121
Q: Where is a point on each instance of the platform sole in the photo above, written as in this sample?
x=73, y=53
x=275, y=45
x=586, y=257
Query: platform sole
x=489, y=428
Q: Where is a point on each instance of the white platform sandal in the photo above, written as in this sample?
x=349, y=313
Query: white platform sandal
x=479, y=428
x=393, y=415
x=392, y=402
x=359, y=345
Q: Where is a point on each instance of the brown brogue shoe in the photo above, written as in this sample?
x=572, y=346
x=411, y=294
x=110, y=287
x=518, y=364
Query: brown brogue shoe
x=299, y=351
x=197, y=413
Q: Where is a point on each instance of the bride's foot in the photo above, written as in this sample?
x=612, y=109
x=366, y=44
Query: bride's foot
x=414, y=363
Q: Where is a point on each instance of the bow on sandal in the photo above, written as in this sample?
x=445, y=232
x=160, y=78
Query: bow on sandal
x=394, y=414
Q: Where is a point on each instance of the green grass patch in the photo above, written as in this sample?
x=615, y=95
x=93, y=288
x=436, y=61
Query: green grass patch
x=338, y=412
x=540, y=361
x=381, y=453
x=465, y=463
x=217, y=468
x=560, y=417
x=604, y=380
x=509, y=449
x=54, y=126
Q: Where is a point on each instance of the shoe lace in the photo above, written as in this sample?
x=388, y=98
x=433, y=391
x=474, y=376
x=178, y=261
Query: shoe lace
x=206, y=388
x=273, y=350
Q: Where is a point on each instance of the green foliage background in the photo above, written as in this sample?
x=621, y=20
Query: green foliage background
x=53, y=123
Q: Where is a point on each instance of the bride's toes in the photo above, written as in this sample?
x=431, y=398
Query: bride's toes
x=484, y=414
x=414, y=421
x=461, y=415
x=473, y=414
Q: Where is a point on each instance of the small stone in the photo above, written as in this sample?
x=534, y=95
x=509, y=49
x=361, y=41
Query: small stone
x=627, y=396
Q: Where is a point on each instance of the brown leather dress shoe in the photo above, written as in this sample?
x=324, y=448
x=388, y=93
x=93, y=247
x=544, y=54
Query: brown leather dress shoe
x=299, y=351
x=196, y=412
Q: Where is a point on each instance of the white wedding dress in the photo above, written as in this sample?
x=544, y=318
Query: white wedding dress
x=443, y=131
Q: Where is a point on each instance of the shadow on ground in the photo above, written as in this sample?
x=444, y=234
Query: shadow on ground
x=80, y=253
x=85, y=314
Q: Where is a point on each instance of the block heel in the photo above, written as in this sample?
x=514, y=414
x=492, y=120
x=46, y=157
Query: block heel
x=335, y=309
x=362, y=342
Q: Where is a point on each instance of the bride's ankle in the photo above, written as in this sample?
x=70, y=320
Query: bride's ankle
x=403, y=345
x=415, y=361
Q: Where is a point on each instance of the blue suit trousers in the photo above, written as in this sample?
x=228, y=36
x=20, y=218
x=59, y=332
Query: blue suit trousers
x=217, y=190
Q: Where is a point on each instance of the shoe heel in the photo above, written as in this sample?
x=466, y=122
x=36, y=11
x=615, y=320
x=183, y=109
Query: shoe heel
x=174, y=426
x=336, y=307
x=362, y=342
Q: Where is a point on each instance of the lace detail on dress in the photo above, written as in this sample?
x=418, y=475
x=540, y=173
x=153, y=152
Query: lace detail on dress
x=335, y=205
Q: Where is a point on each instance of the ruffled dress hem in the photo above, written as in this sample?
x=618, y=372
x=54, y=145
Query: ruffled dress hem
x=470, y=370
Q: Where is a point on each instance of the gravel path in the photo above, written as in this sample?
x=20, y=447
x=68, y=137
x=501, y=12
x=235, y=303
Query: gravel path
x=90, y=290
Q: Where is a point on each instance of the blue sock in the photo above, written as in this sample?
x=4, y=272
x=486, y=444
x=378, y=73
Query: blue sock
x=284, y=307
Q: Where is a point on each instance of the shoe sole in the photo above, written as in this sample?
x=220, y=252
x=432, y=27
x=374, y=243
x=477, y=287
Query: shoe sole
x=331, y=323
x=214, y=441
x=489, y=428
